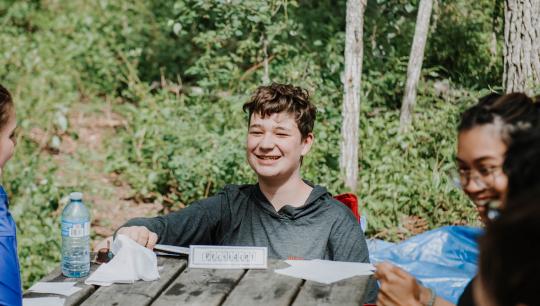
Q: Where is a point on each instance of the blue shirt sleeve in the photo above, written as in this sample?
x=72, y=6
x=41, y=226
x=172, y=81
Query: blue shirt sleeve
x=10, y=279
x=10, y=276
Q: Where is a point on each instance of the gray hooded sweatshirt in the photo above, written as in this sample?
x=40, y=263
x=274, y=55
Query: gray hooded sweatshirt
x=240, y=215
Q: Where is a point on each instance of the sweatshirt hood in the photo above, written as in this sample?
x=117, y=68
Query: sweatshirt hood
x=290, y=212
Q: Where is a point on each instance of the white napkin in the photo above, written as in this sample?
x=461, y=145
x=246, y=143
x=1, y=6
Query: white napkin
x=63, y=288
x=131, y=262
x=44, y=301
x=325, y=271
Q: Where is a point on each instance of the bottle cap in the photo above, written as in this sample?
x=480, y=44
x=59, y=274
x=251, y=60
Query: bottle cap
x=75, y=196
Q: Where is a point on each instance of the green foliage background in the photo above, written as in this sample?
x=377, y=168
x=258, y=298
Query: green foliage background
x=179, y=71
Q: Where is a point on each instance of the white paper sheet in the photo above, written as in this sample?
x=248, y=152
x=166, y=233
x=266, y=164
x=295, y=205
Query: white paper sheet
x=44, y=301
x=63, y=288
x=325, y=271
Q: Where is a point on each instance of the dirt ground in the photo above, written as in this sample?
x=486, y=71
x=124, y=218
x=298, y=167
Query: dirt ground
x=81, y=161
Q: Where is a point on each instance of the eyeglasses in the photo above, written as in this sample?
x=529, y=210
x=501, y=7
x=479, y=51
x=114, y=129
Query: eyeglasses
x=483, y=177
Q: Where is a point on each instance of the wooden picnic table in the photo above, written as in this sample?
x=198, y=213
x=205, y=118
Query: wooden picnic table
x=180, y=285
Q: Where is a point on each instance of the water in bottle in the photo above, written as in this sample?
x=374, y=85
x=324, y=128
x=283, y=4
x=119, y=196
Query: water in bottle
x=75, y=237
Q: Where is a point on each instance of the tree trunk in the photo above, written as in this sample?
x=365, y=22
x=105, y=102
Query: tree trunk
x=351, y=99
x=521, y=46
x=415, y=64
x=266, y=75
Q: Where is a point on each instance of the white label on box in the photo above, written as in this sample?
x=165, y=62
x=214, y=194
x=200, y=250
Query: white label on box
x=227, y=257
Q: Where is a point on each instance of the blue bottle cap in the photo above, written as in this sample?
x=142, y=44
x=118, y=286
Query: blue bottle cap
x=75, y=196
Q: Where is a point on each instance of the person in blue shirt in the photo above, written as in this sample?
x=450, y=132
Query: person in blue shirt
x=10, y=276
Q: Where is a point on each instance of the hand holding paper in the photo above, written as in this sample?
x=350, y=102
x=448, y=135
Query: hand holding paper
x=131, y=262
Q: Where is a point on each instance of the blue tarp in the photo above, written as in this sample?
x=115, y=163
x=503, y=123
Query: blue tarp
x=444, y=259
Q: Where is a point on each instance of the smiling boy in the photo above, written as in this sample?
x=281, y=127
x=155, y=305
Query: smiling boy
x=289, y=216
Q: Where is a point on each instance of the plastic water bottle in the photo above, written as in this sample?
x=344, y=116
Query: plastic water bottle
x=75, y=237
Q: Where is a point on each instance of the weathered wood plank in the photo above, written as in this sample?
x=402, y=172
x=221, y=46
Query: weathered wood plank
x=74, y=299
x=139, y=293
x=204, y=287
x=346, y=292
x=265, y=287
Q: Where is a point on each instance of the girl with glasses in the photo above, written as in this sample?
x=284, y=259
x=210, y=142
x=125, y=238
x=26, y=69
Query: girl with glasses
x=484, y=134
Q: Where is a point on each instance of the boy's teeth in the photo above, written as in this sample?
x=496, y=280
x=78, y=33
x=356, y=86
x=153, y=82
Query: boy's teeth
x=270, y=157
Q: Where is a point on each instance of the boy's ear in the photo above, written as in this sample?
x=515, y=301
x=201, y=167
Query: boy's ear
x=307, y=142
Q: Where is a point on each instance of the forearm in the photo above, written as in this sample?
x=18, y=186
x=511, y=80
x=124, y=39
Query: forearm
x=192, y=225
x=426, y=296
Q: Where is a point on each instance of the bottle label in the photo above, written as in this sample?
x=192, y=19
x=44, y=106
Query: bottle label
x=75, y=229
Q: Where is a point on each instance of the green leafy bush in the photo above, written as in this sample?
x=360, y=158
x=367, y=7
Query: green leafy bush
x=179, y=71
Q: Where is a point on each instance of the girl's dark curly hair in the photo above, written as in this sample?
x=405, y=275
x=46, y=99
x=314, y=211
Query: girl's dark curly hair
x=516, y=111
x=6, y=106
x=509, y=267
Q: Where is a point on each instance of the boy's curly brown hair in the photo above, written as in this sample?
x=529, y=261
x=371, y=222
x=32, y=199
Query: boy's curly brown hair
x=277, y=98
